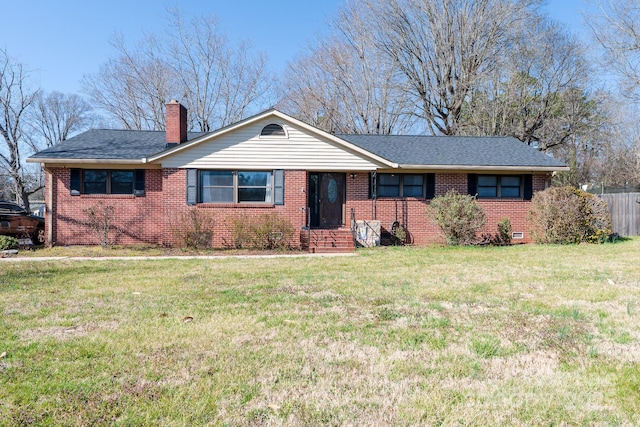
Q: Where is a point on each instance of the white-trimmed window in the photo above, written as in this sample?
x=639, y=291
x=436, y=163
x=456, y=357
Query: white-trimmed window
x=217, y=186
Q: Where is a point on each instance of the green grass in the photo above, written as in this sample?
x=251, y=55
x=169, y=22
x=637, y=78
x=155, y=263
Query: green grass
x=525, y=335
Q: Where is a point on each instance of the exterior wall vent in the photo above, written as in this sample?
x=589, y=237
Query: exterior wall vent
x=273, y=129
x=517, y=235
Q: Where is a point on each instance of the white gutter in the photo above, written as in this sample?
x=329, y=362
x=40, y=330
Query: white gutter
x=486, y=168
x=87, y=161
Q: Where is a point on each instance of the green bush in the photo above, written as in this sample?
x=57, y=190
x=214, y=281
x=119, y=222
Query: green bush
x=270, y=231
x=459, y=216
x=566, y=215
x=504, y=232
x=501, y=238
x=193, y=228
x=7, y=243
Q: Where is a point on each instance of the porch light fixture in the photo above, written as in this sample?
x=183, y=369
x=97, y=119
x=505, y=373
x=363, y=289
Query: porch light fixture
x=353, y=175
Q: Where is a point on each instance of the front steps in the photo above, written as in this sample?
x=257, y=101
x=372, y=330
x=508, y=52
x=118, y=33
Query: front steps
x=327, y=240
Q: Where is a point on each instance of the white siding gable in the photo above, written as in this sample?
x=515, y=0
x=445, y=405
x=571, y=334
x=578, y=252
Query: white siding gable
x=244, y=148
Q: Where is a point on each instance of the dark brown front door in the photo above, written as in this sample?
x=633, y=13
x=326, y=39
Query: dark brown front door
x=326, y=199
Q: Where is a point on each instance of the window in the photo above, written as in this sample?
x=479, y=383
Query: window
x=254, y=186
x=94, y=182
x=401, y=185
x=101, y=181
x=388, y=185
x=499, y=186
x=216, y=186
x=273, y=130
x=487, y=186
x=107, y=182
x=235, y=186
x=121, y=182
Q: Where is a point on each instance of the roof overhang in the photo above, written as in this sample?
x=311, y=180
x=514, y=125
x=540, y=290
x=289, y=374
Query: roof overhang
x=275, y=113
x=472, y=168
x=49, y=161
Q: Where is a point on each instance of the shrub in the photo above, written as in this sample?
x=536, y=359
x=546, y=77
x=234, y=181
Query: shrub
x=459, y=216
x=504, y=232
x=270, y=231
x=100, y=218
x=193, y=229
x=567, y=215
x=7, y=243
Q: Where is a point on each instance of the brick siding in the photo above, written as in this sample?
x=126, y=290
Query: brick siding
x=139, y=219
x=151, y=219
x=223, y=215
x=412, y=212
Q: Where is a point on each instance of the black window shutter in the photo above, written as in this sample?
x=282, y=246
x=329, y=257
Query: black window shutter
x=278, y=187
x=138, y=185
x=431, y=185
x=74, y=184
x=472, y=184
x=192, y=186
x=528, y=186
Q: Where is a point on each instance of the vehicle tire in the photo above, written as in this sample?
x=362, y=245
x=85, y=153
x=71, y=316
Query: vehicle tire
x=38, y=237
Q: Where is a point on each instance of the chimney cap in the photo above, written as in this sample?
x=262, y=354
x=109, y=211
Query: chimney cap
x=173, y=101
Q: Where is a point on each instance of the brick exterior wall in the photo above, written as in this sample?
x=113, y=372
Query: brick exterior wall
x=223, y=215
x=412, y=212
x=138, y=218
x=151, y=219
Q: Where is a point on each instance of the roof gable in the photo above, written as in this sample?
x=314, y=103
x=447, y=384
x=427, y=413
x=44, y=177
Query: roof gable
x=250, y=129
x=245, y=147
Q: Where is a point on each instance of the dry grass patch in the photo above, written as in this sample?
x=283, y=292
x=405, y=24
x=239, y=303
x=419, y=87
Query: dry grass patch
x=522, y=335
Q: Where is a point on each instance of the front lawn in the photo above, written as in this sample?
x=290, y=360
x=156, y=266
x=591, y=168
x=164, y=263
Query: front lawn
x=525, y=335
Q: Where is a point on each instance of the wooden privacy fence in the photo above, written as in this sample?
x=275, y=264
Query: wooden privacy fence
x=625, y=212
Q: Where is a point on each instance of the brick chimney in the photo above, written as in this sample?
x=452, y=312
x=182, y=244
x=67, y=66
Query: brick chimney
x=176, y=123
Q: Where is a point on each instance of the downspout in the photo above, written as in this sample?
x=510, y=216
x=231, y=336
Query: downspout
x=374, y=192
x=48, y=207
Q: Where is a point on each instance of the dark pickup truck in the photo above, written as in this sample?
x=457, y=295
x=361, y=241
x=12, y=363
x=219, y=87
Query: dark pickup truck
x=17, y=222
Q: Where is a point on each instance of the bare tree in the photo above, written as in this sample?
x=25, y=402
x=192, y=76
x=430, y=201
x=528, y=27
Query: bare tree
x=619, y=160
x=617, y=29
x=16, y=98
x=6, y=185
x=220, y=81
x=445, y=48
x=217, y=81
x=537, y=93
x=580, y=124
x=57, y=116
x=134, y=86
x=344, y=85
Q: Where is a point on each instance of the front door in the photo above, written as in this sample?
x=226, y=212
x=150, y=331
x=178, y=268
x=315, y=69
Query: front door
x=326, y=199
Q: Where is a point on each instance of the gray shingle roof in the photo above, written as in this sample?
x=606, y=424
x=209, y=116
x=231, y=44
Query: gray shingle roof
x=103, y=144
x=132, y=145
x=453, y=150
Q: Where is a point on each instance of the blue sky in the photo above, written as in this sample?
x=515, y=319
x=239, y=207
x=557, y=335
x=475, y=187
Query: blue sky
x=64, y=40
